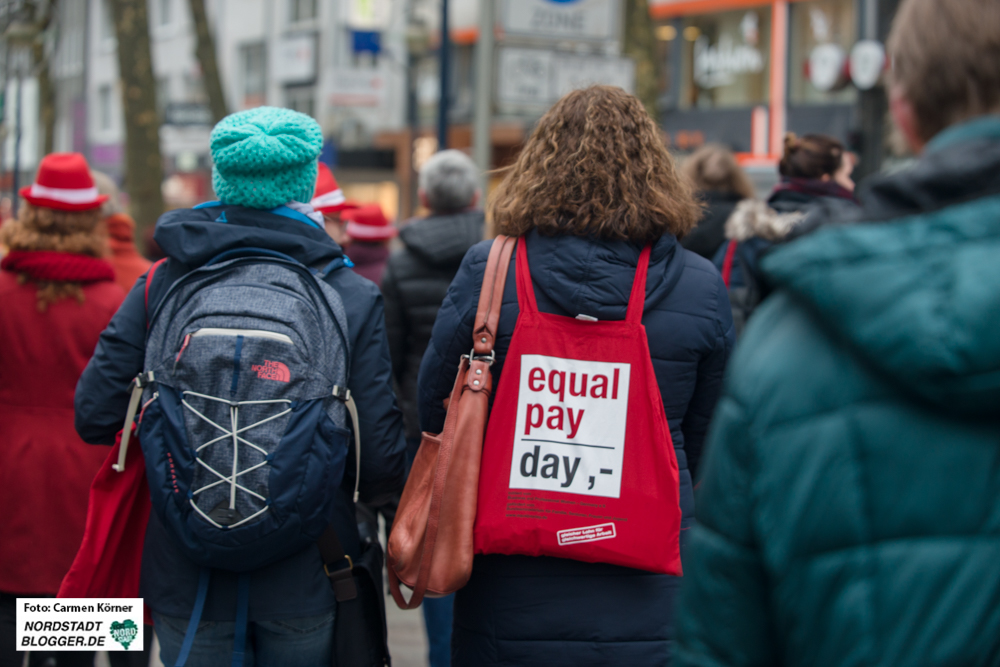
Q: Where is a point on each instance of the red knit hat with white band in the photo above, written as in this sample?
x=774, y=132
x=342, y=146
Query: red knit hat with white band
x=64, y=182
x=368, y=223
x=329, y=198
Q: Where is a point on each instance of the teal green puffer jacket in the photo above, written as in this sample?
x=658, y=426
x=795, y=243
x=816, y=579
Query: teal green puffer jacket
x=849, y=508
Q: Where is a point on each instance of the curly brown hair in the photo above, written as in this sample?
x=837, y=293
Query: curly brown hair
x=40, y=228
x=595, y=166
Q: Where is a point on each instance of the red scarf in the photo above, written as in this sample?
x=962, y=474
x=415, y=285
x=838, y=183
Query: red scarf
x=52, y=266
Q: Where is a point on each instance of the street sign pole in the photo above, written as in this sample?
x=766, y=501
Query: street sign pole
x=445, y=83
x=482, y=144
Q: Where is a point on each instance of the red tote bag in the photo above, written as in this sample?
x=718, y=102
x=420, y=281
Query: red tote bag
x=110, y=556
x=578, y=461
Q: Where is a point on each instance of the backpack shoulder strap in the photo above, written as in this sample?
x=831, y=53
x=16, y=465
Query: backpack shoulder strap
x=149, y=281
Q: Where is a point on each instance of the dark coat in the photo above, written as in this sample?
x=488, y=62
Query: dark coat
x=47, y=471
x=549, y=611
x=414, y=285
x=369, y=259
x=296, y=586
x=849, y=512
x=710, y=234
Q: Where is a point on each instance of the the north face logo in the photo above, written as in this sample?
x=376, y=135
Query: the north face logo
x=272, y=370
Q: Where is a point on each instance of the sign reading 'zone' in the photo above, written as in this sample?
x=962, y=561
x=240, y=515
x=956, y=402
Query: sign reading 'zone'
x=570, y=432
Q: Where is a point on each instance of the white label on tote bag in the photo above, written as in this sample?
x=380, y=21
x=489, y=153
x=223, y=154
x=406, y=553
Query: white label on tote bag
x=570, y=432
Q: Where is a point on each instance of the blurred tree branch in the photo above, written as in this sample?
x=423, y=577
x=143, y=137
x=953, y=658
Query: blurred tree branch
x=143, y=162
x=640, y=46
x=205, y=51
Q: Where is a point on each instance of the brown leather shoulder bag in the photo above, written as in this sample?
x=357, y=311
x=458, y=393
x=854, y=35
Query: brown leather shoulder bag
x=430, y=548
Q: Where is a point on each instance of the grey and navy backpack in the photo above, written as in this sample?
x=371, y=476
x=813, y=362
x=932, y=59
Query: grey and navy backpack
x=245, y=418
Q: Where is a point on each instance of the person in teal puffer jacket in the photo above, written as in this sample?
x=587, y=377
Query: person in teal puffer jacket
x=849, y=509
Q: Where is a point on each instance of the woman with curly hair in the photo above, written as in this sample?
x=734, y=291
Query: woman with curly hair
x=58, y=294
x=592, y=188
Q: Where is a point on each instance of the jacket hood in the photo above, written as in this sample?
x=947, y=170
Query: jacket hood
x=194, y=236
x=916, y=290
x=443, y=240
x=584, y=276
x=753, y=218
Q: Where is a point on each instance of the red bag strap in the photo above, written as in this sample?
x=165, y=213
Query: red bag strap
x=637, y=299
x=149, y=281
x=525, y=289
x=727, y=263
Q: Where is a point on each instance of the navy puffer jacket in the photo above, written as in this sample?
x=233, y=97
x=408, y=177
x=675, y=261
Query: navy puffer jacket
x=548, y=611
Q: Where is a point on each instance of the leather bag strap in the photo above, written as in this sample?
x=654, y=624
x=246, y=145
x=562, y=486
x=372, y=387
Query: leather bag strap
x=484, y=336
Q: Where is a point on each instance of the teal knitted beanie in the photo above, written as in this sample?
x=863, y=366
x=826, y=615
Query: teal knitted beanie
x=265, y=157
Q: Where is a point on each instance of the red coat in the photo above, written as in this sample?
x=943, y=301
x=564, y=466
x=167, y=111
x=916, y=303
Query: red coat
x=45, y=469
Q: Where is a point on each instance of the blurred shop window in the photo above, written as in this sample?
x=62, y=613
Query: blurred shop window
x=725, y=59
x=301, y=99
x=254, y=60
x=164, y=11
x=822, y=33
x=301, y=10
x=104, y=100
x=107, y=22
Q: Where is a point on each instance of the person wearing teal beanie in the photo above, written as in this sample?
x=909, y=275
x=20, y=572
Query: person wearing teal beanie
x=283, y=613
x=265, y=157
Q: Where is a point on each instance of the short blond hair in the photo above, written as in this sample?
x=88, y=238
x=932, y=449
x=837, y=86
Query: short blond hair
x=945, y=56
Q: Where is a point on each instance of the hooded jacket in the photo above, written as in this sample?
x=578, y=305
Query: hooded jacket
x=414, y=285
x=519, y=610
x=296, y=586
x=849, y=511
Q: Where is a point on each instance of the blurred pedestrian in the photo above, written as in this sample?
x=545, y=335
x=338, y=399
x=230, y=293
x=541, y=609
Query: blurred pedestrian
x=849, y=511
x=720, y=183
x=129, y=264
x=369, y=233
x=591, y=189
x=58, y=293
x=283, y=606
x=329, y=200
x=815, y=178
x=414, y=285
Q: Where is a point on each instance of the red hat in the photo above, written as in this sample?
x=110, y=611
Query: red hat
x=64, y=182
x=328, y=198
x=368, y=223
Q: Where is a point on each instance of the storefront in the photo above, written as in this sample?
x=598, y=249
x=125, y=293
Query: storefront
x=743, y=72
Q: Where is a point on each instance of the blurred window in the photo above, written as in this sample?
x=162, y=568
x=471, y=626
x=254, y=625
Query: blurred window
x=104, y=107
x=301, y=99
x=107, y=21
x=725, y=58
x=253, y=57
x=825, y=30
x=164, y=10
x=302, y=10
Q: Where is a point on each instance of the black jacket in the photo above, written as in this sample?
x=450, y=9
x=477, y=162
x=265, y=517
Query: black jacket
x=414, y=285
x=524, y=611
x=295, y=586
x=710, y=234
